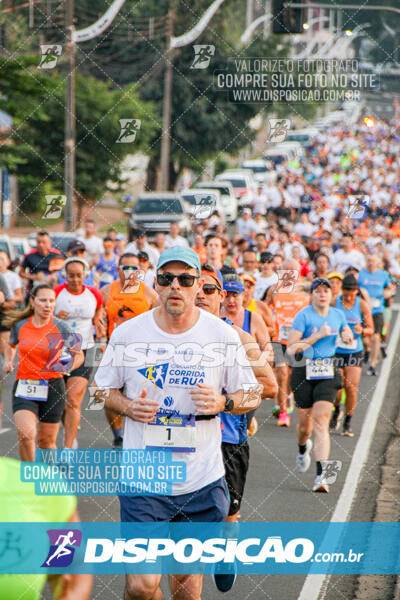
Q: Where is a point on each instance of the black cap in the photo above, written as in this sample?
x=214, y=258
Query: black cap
x=138, y=233
x=350, y=282
x=266, y=257
x=351, y=269
x=143, y=255
x=320, y=281
x=76, y=246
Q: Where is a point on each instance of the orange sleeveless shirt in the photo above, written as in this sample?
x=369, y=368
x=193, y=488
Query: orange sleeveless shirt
x=120, y=306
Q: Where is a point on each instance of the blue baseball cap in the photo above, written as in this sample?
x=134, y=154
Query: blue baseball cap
x=320, y=281
x=180, y=254
x=236, y=287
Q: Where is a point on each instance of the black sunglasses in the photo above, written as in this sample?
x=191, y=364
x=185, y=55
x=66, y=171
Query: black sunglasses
x=209, y=288
x=184, y=279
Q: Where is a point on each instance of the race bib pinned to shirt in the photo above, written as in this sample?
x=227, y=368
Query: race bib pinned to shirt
x=284, y=332
x=375, y=302
x=177, y=432
x=319, y=368
x=347, y=346
x=33, y=389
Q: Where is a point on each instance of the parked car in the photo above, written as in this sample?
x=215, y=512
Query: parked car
x=304, y=136
x=21, y=246
x=243, y=182
x=7, y=245
x=295, y=147
x=203, y=202
x=59, y=240
x=155, y=211
x=278, y=155
x=259, y=167
x=228, y=197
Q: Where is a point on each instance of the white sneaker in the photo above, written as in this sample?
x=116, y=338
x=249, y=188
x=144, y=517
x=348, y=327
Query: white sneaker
x=320, y=484
x=75, y=444
x=303, y=461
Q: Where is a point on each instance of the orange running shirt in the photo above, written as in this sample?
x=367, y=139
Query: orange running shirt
x=40, y=348
x=120, y=306
x=286, y=307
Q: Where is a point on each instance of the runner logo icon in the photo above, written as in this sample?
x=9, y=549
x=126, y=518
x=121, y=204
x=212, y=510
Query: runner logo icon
x=62, y=547
x=156, y=374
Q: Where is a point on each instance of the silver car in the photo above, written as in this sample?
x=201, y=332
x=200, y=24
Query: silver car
x=155, y=211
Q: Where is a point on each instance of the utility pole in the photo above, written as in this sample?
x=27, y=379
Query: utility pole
x=167, y=106
x=70, y=125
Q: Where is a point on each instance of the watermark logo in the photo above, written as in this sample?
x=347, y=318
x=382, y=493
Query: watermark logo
x=278, y=130
x=251, y=394
x=287, y=280
x=358, y=205
x=132, y=276
x=129, y=129
x=97, y=398
x=50, y=55
x=331, y=469
x=156, y=374
x=202, y=55
x=205, y=206
x=54, y=206
x=63, y=543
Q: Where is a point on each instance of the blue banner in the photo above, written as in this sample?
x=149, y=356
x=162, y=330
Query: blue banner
x=253, y=548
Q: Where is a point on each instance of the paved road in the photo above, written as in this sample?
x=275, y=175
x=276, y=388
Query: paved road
x=275, y=492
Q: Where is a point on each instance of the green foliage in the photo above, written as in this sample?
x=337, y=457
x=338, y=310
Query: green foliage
x=36, y=102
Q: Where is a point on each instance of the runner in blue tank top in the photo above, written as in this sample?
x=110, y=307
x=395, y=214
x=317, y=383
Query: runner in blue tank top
x=349, y=356
x=314, y=379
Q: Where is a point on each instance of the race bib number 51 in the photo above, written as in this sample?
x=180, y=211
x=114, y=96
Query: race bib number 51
x=177, y=432
x=32, y=389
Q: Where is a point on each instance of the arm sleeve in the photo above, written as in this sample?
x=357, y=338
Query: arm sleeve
x=299, y=322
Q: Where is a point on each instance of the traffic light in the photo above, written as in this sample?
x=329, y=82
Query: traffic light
x=285, y=18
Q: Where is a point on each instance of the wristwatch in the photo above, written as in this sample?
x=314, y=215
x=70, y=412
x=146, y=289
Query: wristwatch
x=229, y=404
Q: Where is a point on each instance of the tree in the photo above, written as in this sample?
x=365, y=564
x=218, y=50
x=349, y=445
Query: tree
x=36, y=101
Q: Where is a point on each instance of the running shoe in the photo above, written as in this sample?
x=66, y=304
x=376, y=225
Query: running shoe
x=275, y=411
x=252, y=430
x=290, y=403
x=320, y=484
x=117, y=443
x=366, y=356
x=303, y=461
x=75, y=444
x=224, y=581
x=347, y=430
x=371, y=371
x=284, y=419
x=383, y=350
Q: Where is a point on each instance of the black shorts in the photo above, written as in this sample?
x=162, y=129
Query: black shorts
x=49, y=411
x=378, y=322
x=351, y=359
x=86, y=368
x=236, y=461
x=280, y=356
x=307, y=392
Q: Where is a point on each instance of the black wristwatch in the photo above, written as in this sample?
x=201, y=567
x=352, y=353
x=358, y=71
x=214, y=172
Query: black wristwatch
x=229, y=404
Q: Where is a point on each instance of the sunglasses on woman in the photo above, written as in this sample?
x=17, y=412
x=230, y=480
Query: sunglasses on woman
x=184, y=279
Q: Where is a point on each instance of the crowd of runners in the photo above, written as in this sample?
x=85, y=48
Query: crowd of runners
x=303, y=281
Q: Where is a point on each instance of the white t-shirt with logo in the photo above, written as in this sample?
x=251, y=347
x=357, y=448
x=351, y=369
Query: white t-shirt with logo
x=13, y=281
x=263, y=283
x=81, y=309
x=168, y=366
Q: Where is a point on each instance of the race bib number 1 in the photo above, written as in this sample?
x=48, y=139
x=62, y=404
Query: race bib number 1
x=319, y=368
x=33, y=389
x=177, y=432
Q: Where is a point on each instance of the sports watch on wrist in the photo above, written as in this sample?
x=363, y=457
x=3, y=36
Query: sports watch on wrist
x=229, y=403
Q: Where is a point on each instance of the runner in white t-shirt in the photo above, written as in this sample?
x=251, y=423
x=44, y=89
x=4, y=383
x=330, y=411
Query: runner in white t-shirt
x=186, y=382
x=80, y=306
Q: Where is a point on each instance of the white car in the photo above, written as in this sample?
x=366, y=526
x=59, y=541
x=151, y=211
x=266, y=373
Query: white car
x=304, y=136
x=203, y=202
x=259, y=167
x=228, y=197
x=296, y=147
x=278, y=155
x=244, y=185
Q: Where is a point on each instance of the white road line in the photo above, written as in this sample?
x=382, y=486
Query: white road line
x=314, y=584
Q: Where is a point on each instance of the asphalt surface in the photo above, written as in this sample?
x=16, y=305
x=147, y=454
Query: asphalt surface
x=274, y=492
